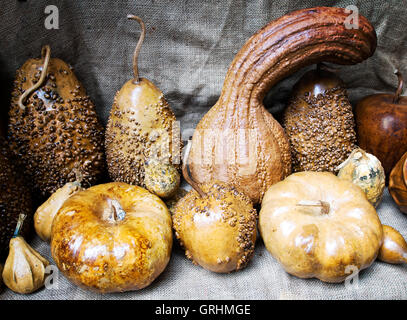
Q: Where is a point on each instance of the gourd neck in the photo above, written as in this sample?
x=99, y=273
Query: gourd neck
x=399, y=90
x=186, y=174
x=292, y=42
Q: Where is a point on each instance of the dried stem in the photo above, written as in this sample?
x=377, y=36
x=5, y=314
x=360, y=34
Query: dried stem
x=319, y=204
x=185, y=172
x=46, y=54
x=399, y=90
x=138, y=47
x=20, y=222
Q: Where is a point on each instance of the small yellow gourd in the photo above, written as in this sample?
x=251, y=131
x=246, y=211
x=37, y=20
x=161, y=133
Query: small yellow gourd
x=24, y=271
x=364, y=170
x=45, y=214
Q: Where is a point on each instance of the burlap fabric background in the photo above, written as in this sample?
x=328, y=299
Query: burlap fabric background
x=188, y=48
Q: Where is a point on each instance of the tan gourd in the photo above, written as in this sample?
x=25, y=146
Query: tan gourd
x=45, y=214
x=142, y=147
x=319, y=226
x=24, y=270
x=238, y=141
x=394, y=248
x=366, y=171
x=216, y=224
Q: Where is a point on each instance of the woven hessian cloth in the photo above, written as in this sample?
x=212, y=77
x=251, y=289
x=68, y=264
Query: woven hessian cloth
x=186, y=53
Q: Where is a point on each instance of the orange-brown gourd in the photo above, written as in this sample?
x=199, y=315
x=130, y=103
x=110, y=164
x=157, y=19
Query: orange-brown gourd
x=112, y=237
x=53, y=125
x=398, y=183
x=238, y=141
x=142, y=144
x=216, y=224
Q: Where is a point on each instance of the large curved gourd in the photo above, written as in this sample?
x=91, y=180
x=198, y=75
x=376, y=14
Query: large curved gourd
x=238, y=141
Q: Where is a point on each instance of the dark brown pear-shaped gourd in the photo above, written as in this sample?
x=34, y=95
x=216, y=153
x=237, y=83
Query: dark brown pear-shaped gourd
x=142, y=145
x=15, y=198
x=319, y=123
x=53, y=126
x=238, y=141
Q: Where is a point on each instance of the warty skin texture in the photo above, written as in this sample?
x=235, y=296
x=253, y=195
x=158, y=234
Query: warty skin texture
x=238, y=141
x=319, y=123
x=58, y=136
x=15, y=198
x=217, y=230
x=139, y=130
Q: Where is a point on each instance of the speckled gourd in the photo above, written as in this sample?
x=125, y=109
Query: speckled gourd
x=319, y=122
x=15, y=198
x=238, y=141
x=53, y=125
x=141, y=144
x=216, y=224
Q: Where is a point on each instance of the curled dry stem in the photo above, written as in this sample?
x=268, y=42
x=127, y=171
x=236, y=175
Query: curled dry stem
x=185, y=172
x=399, y=88
x=46, y=55
x=138, y=46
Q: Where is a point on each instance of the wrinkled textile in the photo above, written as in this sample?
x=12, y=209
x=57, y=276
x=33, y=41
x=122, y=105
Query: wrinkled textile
x=188, y=48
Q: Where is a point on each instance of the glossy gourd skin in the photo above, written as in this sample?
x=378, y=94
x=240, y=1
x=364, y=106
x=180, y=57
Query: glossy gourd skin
x=56, y=133
x=315, y=241
x=398, y=183
x=218, y=230
x=139, y=129
x=381, y=121
x=142, y=143
x=238, y=141
x=112, y=237
x=319, y=122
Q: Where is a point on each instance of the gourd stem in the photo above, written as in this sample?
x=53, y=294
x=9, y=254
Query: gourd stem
x=46, y=54
x=319, y=203
x=78, y=177
x=138, y=47
x=185, y=172
x=117, y=212
x=400, y=87
x=20, y=222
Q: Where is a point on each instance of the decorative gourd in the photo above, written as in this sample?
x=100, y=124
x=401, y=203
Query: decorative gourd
x=381, y=123
x=317, y=225
x=112, y=237
x=238, y=141
x=24, y=271
x=15, y=198
x=45, y=214
x=398, y=183
x=366, y=171
x=142, y=147
x=216, y=224
x=53, y=126
x=394, y=247
x=319, y=122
